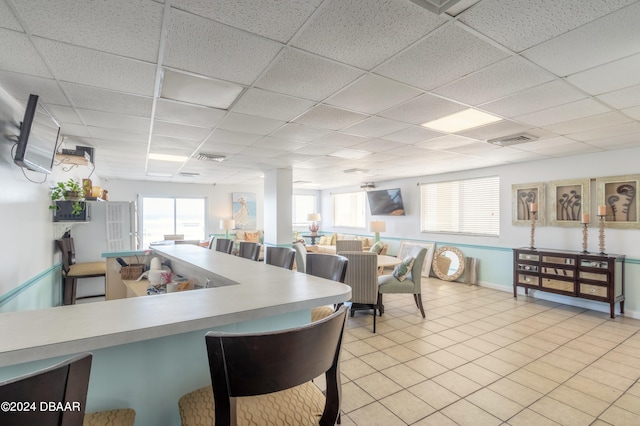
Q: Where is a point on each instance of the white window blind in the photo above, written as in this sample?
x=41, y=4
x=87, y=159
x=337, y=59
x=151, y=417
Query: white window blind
x=303, y=205
x=470, y=206
x=349, y=209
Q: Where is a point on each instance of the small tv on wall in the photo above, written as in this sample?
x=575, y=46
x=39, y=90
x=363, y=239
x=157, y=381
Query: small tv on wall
x=386, y=202
x=38, y=138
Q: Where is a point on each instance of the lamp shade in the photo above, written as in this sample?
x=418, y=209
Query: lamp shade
x=313, y=217
x=377, y=226
x=227, y=223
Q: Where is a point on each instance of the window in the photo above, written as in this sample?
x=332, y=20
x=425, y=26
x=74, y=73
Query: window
x=162, y=216
x=349, y=209
x=469, y=206
x=303, y=205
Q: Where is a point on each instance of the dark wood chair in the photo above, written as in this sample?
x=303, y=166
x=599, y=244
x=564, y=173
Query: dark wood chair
x=72, y=271
x=280, y=256
x=249, y=250
x=224, y=245
x=330, y=266
x=274, y=370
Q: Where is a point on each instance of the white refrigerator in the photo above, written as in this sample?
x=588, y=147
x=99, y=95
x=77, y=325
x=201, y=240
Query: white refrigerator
x=112, y=226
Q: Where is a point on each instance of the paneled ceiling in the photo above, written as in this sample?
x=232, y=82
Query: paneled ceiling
x=324, y=86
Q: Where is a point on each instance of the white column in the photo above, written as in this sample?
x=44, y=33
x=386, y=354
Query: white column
x=278, y=190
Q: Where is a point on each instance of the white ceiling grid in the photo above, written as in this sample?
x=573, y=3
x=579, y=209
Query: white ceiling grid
x=327, y=85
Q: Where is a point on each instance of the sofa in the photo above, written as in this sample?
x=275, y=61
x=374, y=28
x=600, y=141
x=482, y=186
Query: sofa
x=252, y=236
x=327, y=243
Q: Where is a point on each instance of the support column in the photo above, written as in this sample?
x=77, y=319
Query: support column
x=278, y=190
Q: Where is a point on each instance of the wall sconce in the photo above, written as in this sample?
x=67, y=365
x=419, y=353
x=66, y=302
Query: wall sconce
x=378, y=226
x=227, y=224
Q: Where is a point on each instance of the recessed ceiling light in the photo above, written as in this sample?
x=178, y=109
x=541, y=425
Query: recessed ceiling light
x=167, y=157
x=199, y=90
x=463, y=120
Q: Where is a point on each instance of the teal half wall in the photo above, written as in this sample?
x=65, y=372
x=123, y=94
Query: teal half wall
x=40, y=292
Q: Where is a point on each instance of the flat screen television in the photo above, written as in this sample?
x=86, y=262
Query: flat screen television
x=38, y=138
x=386, y=202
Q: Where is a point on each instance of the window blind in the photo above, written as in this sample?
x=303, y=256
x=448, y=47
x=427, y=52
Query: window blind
x=349, y=209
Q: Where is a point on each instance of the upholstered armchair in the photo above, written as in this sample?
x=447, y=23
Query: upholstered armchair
x=412, y=284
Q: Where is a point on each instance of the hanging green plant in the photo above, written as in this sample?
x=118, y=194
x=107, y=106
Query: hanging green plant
x=70, y=190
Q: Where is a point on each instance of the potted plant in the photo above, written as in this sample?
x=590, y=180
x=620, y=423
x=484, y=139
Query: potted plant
x=69, y=191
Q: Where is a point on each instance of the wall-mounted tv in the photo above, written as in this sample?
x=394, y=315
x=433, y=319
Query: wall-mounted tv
x=386, y=202
x=38, y=138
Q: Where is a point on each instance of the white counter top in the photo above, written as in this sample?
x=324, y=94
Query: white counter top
x=263, y=291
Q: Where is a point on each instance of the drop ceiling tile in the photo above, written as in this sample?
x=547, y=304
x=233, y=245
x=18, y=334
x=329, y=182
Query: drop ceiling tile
x=299, y=132
x=114, y=121
x=170, y=142
x=412, y=151
x=80, y=65
x=330, y=31
x=595, y=43
x=516, y=156
x=249, y=124
x=340, y=139
x=440, y=58
x=279, y=144
x=108, y=100
x=606, y=78
x=304, y=75
x=64, y=114
x=588, y=123
x=351, y=154
x=375, y=127
x=594, y=134
x=618, y=142
x=460, y=7
x=20, y=86
x=179, y=130
x=575, y=148
x=536, y=98
x=377, y=145
x=331, y=118
x=260, y=152
x=495, y=130
x=412, y=135
x=446, y=142
x=193, y=115
x=271, y=105
x=520, y=24
x=422, y=109
x=372, y=94
x=543, y=144
x=633, y=112
x=234, y=138
x=495, y=81
x=315, y=149
x=201, y=46
x=7, y=18
x=120, y=135
x=221, y=148
x=23, y=57
x=122, y=27
x=274, y=20
x=480, y=149
x=623, y=98
x=571, y=111
x=67, y=129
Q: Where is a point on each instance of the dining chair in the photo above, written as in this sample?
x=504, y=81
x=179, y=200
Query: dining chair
x=301, y=256
x=224, y=245
x=72, y=271
x=249, y=250
x=212, y=239
x=362, y=277
x=330, y=266
x=348, y=245
x=280, y=256
x=411, y=284
x=266, y=378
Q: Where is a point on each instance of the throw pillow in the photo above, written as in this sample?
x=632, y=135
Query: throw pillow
x=252, y=237
x=323, y=241
x=334, y=237
x=401, y=270
x=377, y=247
x=240, y=235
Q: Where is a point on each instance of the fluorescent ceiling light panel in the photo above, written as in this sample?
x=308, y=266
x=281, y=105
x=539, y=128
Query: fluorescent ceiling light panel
x=198, y=90
x=167, y=157
x=463, y=120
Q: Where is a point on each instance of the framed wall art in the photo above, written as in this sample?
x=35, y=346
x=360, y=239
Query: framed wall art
x=524, y=196
x=619, y=195
x=244, y=210
x=568, y=201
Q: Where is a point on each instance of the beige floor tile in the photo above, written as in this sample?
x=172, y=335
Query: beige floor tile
x=478, y=374
x=561, y=413
x=628, y=360
x=635, y=389
x=421, y=347
x=549, y=371
x=426, y=367
x=516, y=392
x=355, y=368
x=407, y=406
x=559, y=361
x=575, y=354
x=417, y=331
x=512, y=357
x=496, y=365
x=380, y=342
x=399, y=336
x=379, y=360
x=470, y=330
x=597, y=343
x=607, y=336
x=464, y=413
x=620, y=417
x=551, y=337
x=579, y=400
x=455, y=335
x=433, y=394
x=457, y=383
x=353, y=397
x=359, y=348
x=593, y=388
x=401, y=353
x=539, y=343
x=436, y=419
x=482, y=345
x=397, y=323
x=465, y=352
x=434, y=327
x=375, y=414
x=497, y=339
x=403, y=375
x=378, y=385
x=629, y=403
x=618, y=368
x=587, y=347
x=629, y=350
x=601, y=376
x=447, y=359
x=528, y=350
x=530, y=418
x=439, y=341
x=495, y=404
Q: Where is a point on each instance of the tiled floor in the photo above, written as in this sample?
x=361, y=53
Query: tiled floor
x=482, y=358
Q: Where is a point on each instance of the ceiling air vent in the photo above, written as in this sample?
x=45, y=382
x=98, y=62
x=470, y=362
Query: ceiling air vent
x=189, y=174
x=512, y=140
x=367, y=186
x=210, y=157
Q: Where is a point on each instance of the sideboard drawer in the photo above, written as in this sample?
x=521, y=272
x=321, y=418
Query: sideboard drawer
x=559, y=260
x=561, y=272
x=528, y=279
x=558, y=284
x=594, y=276
x=527, y=267
x=594, y=290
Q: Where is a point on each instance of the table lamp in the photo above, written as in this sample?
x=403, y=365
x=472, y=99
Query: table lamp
x=227, y=224
x=314, y=218
x=378, y=226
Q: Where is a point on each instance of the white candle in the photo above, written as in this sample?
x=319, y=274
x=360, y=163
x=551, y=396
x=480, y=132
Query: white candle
x=534, y=207
x=602, y=210
x=585, y=218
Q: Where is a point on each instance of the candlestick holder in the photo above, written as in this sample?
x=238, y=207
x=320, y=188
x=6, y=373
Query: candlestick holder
x=601, y=233
x=534, y=216
x=585, y=234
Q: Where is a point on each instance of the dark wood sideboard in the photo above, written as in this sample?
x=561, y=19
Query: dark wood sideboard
x=591, y=276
